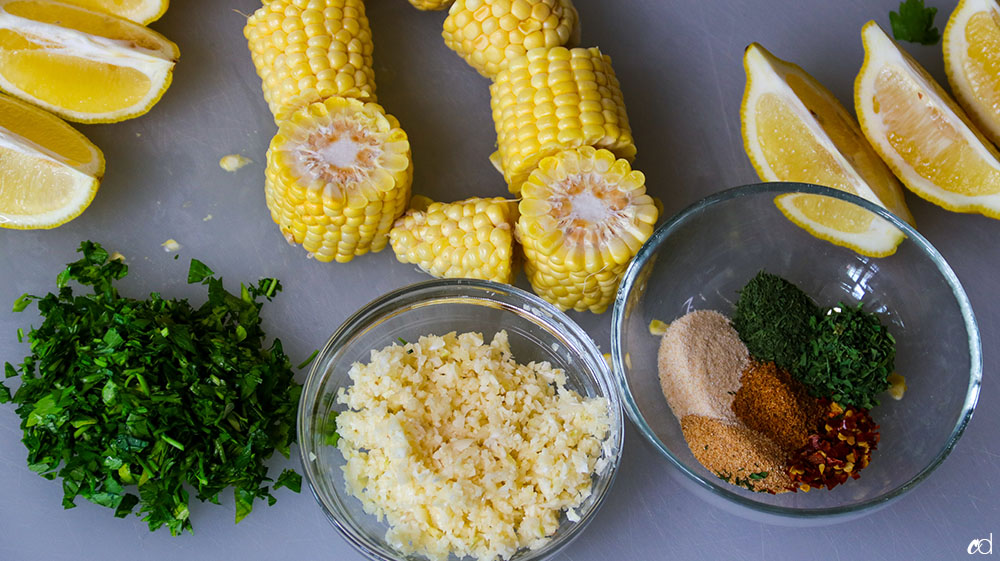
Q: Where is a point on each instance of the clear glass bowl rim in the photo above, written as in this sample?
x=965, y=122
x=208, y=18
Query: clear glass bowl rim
x=650, y=248
x=452, y=290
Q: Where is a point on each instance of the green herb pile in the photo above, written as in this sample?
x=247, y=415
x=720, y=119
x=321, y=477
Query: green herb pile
x=773, y=318
x=850, y=357
x=841, y=353
x=131, y=401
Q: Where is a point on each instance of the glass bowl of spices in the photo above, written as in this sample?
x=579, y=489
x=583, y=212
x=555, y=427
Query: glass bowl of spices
x=789, y=378
x=460, y=419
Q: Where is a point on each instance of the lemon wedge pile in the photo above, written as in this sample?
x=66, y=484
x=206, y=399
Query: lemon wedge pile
x=921, y=133
x=972, y=62
x=82, y=61
x=794, y=129
x=49, y=172
x=83, y=65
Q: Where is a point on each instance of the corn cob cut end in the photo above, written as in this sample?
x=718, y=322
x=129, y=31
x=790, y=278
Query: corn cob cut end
x=472, y=238
x=488, y=33
x=583, y=216
x=555, y=99
x=309, y=51
x=431, y=5
x=338, y=174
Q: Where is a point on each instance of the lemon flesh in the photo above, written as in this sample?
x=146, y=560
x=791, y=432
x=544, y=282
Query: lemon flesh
x=794, y=129
x=972, y=62
x=49, y=172
x=921, y=133
x=82, y=65
x=52, y=134
x=139, y=11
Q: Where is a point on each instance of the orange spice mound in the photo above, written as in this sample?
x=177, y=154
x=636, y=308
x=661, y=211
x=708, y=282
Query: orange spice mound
x=776, y=405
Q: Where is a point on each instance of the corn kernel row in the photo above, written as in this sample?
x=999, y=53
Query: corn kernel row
x=471, y=238
x=488, y=33
x=431, y=5
x=309, y=50
x=554, y=99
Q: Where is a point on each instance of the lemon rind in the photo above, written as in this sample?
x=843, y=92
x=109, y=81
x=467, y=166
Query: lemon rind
x=988, y=205
x=955, y=45
x=53, y=219
x=880, y=230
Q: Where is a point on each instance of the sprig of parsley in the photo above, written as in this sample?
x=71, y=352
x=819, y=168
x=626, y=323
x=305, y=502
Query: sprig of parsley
x=131, y=402
x=915, y=23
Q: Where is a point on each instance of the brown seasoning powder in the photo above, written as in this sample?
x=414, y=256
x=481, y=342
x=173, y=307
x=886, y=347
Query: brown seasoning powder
x=737, y=454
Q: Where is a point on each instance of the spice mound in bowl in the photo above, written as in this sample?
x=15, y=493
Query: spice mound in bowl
x=463, y=450
x=777, y=400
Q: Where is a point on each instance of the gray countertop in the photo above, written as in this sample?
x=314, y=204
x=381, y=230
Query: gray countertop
x=680, y=66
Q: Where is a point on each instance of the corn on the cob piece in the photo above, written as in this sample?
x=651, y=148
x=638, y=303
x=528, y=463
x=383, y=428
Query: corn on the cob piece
x=338, y=174
x=556, y=99
x=465, y=239
x=431, y=4
x=488, y=33
x=308, y=50
x=584, y=215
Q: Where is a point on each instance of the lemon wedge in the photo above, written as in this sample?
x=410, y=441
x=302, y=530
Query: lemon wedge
x=972, y=62
x=49, y=172
x=921, y=132
x=794, y=129
x=139, y=11
x=83, y=65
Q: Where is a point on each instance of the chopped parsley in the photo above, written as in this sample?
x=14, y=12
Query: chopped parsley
x=133, y=402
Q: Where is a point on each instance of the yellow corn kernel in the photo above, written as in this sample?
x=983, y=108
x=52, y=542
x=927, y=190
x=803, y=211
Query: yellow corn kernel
x=338, y=174
x=556, y=99
x=466, y=239
x=584, y=215
x=431, y=4
x=657, y=327
x=308, y=50
x=487, y=33
x=897, y=386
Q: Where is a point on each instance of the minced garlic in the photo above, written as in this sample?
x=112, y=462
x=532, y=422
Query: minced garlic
x=233, y=162
x=464, y=451
x=171, y=246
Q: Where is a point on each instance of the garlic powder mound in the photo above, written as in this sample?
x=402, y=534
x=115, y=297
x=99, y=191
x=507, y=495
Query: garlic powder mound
x=463, y=451
x=700, y=360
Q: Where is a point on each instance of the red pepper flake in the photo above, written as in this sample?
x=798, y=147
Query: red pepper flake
x=839, y=450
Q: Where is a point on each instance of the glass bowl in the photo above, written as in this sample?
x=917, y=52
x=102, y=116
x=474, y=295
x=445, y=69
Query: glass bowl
x=537, y=331
x=700, y=258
